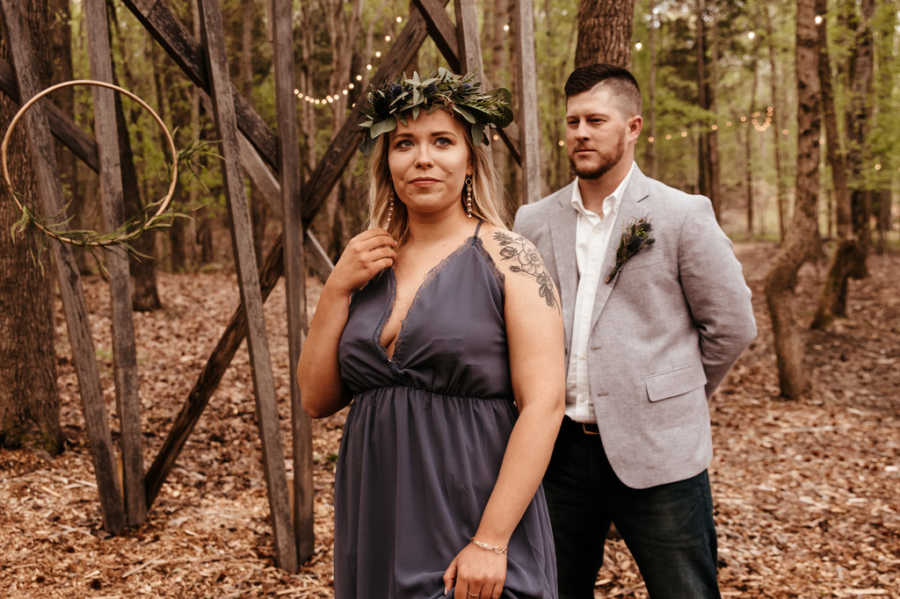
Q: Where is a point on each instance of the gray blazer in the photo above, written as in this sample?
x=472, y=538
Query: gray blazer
x=664, y=331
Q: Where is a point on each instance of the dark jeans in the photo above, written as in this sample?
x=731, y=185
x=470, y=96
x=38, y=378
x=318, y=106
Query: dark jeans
x=668, y=529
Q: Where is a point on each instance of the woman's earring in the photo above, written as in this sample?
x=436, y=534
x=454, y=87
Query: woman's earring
x=468, y=186
x=390, y=213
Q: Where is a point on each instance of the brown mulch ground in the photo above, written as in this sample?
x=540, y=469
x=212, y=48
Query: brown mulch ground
x=807, y=493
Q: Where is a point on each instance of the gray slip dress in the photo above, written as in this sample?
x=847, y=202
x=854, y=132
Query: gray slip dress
x=425, y=437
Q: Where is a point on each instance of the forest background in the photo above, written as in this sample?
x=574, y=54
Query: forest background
x=806, y=490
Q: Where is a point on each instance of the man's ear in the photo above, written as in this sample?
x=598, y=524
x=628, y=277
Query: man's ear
x=635, y=126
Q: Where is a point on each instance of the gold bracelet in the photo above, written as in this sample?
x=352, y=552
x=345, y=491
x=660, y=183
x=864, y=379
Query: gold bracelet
x=498, y=549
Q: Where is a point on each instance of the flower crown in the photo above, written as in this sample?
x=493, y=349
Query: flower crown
x=460, y=95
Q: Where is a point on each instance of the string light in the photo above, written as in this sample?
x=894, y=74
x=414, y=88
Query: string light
x=336, y=95
x=638, y=46
x=506, y=27
x=818, y=19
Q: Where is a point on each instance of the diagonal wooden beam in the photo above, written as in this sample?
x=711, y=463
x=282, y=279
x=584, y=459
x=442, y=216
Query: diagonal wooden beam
x=248, y=278
x=80, y=143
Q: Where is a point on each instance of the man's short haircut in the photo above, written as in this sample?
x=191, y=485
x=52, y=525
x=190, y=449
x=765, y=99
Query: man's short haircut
x=618, y=80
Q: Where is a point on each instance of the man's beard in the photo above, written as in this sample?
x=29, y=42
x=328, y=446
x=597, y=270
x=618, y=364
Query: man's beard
x=607, y=162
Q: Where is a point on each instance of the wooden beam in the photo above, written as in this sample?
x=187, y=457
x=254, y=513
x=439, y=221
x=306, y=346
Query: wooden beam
x=248, y=279
x=167, y=30
x=294, y=269
x=43, y=157
x=443, y=32
x=112, y=202
x=80, y=143
x=468, y=38
x=526, y=68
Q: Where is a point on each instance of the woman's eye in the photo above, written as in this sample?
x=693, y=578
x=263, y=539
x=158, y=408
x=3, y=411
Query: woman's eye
x=402, y=144
x=443, y=141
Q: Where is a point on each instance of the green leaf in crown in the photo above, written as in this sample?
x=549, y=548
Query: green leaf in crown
x=461, y=95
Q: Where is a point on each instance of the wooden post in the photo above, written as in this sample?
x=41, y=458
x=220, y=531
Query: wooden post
x=294, y=270
x=528, y=106
x=469, y=40
x=248, y=277
x=124, y=352
x=43, y=158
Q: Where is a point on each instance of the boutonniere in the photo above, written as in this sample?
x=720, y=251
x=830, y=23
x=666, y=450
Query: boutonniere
x=635, y=238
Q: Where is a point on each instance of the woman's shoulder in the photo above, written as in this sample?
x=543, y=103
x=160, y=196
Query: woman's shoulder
x=518, y=261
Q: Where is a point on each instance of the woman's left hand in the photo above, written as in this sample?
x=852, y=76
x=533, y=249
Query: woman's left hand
x=478, y=574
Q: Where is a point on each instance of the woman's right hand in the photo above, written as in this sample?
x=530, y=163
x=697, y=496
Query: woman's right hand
x=365, y=256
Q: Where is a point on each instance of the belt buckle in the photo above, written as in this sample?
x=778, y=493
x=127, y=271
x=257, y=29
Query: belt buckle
x=586, y=430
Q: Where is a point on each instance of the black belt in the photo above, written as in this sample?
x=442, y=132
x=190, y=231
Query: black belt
x=582, y=428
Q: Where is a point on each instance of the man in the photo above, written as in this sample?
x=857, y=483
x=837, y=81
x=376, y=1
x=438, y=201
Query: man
x=656, y=311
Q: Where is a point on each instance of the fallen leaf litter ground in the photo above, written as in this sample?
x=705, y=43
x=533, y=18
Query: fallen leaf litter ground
x=806, y=493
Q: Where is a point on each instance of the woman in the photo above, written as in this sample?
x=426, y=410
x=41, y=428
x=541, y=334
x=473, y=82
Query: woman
x=432, y=322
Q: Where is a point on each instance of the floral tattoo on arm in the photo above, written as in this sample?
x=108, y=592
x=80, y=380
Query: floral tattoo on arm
x=527, y=261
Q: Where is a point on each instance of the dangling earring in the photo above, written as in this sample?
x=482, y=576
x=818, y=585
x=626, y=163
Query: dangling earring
x=390, y=213
x=468, y=188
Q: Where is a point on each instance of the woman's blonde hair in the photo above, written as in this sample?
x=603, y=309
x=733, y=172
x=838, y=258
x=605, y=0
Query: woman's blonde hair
x=381, y=187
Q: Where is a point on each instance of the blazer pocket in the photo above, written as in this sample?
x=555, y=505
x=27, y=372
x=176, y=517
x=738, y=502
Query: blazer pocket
x=675, y=382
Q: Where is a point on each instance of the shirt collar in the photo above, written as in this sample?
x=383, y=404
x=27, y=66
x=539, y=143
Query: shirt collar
x=611, y=203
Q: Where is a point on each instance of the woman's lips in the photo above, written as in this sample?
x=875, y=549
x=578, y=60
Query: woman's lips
x=424, y=181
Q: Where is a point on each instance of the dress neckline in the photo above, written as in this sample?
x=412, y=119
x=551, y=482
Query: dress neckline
x=392, y=298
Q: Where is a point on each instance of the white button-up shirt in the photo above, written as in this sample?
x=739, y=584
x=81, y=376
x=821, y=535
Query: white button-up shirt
x=592, y=238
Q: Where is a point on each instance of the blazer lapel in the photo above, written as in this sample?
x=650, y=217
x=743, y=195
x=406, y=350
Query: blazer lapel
x=562, y=235
x=629, y=211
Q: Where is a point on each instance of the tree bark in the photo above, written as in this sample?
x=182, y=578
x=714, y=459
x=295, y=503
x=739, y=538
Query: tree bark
x=29, y=398
x=833, y=299
x=858, y=126
x=604, y=32
x=650, y=109
x=801, y=239
x=748, y=143
x=780, y=192
x=707, y=146
x=259, y=208
x=853, y=205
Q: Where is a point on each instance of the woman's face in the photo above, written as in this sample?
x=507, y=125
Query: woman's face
x=429, y=159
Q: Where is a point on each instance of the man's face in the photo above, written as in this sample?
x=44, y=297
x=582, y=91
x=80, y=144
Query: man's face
x=598, y=132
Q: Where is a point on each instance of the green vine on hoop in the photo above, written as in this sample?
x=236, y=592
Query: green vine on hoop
x=129, y=230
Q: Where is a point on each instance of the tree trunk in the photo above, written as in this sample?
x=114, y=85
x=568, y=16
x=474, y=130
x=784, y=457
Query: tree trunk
x=748, y=144
x=650, y=110
x=853, y=205
x=29, y=398
x=707, y=146
x=800, y=241
x=833, y=300
x=604, y=32
x=259, y=208
x=203, y=236
x=780, y=192
x=858, y=127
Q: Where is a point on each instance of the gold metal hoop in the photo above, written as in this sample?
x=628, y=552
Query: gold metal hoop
x=125, y=236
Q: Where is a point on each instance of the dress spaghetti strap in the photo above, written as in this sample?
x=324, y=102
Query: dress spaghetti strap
x=477, y=227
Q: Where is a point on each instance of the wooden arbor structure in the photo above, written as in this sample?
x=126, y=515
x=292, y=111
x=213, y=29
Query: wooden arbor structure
x=272, y=162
